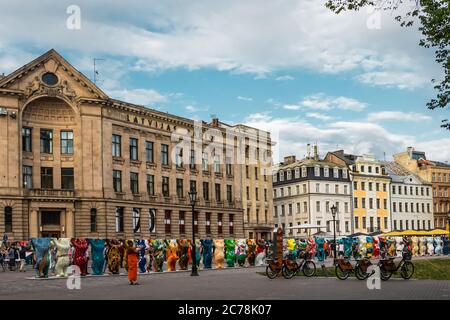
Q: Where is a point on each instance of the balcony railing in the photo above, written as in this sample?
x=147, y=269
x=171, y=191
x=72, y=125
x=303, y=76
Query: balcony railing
x=49, y=193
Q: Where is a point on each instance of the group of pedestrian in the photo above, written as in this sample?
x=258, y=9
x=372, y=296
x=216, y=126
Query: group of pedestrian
x=13, y=257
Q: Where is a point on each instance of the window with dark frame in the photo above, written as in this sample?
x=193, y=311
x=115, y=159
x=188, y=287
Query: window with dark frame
x=133, y=149
x=217, y=192
x=231, y=223
x=164, y=154
x=167, y=221
x=180, y=192
x=208, y=223
x=8, y=219
x=27, y=144
x=67, y=179
x=119, y=219
x=93, y=220
x=66, y=142
x=165, y=186
x=206, y=191
x=229, y=193
x=149, y=151
x=181, y=222
x=27, y=173
x=116, y=145
x=150, y=184
x=117, y=180
x=192, y=165
x=219, y=223
x=46, y=178
x=46, y=141
x=134, y=182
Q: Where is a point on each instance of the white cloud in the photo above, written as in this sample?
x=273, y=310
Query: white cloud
x=319, y=116
x=322, y=102
x=244, y=98
x=292, y=134
x=237, y=36
x=144, y=97
x=397, y=116
x=291, y=107
x=192, y=108
x=284, y=78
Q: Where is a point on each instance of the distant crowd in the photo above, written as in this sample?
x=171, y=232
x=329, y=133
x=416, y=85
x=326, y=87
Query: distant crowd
x=14, y=256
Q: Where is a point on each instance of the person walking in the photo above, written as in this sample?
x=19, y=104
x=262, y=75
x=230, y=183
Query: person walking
x=22, y=255
x=12, y=261
x=132, y=262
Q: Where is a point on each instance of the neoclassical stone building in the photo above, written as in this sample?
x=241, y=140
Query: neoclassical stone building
x=76, y=163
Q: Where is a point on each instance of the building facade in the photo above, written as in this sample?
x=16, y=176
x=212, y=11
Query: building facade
x=411, y=200
x=76, y=163
x=370, y=189
x=305, y=191
x=434, y=172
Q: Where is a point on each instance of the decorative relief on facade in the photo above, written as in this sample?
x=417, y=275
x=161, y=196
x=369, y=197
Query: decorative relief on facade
x=49, y=111
x=36, y=87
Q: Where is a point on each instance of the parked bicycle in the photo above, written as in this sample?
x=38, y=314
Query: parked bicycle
x=388, y=267
x=274, y=268
x=343, y=268
x=305, y=265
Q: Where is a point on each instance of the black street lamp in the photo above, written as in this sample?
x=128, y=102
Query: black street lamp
x=193, y=199
x=333, y=213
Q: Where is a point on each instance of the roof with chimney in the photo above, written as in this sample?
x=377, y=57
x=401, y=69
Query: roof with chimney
x=400, y=174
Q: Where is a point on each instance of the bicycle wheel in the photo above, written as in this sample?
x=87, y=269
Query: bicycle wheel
x=289, y=273
x=271, y=274
x=407, y=270
x=360, y=275
x=309, y=268
x=385, y=275
x=341, y=274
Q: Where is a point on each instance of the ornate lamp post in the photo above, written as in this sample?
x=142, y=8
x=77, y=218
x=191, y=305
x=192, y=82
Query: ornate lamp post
x=333, y=213
x=193, y=199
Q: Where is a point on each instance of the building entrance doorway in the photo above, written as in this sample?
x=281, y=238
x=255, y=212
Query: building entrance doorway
x=50, y=224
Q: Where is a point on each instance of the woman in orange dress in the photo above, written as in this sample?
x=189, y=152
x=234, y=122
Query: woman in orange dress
x=132, y=261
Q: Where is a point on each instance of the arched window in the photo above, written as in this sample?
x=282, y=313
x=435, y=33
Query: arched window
x=136, y=220
x=152, y=218
x=8, y=219
x=93, y=220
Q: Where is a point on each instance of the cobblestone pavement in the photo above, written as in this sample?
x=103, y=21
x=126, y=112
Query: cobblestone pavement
x=239, y=283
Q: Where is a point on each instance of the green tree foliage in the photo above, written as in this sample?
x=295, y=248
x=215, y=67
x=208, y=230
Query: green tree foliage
x=434, y=19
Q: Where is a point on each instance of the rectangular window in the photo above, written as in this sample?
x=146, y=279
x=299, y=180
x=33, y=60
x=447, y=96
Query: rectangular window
x=364, y=222
x=167, y=221
x=228, y=167
x=133, y=149
x=265, y=195
x=179, y=157
x=385, y=223
x=229, y=193
x=136, y=220
x=206, y=191
x=305, y=207
x=363, y=203
x=377, y=186
x=256, y=173
x=378, y=204
x=378, y=223
x=180, y=193
x=205, y=161
x=370, y=203
x=395, y=225
x=355, y=185
x=46, y=141
x=257, y=194
x=363, y=186
x=218, y=192
x=193, y=185
x=192, y=160
x=8, y=219
x=370, y=186
x=27, y=180
x=93, y=220
x=119, y=219
x=355, y=200
x=67, y=181
x=336, y=189
x=149, y=151
x=116, y=145
x=181, y=222
x=216, y=164
x=165, y=186
x=247, y=172
x=231, y=223
x=134, y=182
x=346, y=207
x=46, y=178
x=27, y=144
x=66, y=142
x=117, y=180
x=347, y=229
x=208, y=222
x=150, y=185
x=290, y=209
x=317, y=206
x=356, y=222
x=164, y=154
x=219, y=223
x=384, y=203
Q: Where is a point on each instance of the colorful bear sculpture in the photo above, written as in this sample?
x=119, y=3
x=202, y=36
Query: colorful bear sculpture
x=445, y=245
x=260, y=252
x=230, y=254
x=291, y=248
x=320, y=250
x=41, y=248
x=251, y=252
x=376, y=247
x=369, y=247
x=415, y=246
x=422, y=246
x=62, y=246
x=80, y=258
x=311, y=248
x=171, y=254
x=183, y=254
x=362, y=246
x=113, y=253
x=241, y=252
x=391, y=247
x=355, y=248
x=207, y=245
x=141, y=249
x=98, y=256
x=219, y=257
x=158, y=255
x=399, y=246
x=347, y=247
x=437, y=246
x=430, y=246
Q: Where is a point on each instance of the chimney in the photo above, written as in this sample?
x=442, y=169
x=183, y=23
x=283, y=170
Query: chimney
x=410, y=150
x=215, y=122
x=289, y=159
x=308, y=151
x=316, y=153
x=2, y=75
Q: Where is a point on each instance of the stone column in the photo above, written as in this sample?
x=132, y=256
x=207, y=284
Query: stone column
x=69, y=224
x=33, y=224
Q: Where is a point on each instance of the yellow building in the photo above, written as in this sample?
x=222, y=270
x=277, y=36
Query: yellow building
x=370, y=186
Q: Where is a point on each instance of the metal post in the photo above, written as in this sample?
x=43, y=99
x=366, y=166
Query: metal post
x=194, y=256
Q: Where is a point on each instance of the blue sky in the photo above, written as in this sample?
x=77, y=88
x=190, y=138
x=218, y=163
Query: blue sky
x=356, y=81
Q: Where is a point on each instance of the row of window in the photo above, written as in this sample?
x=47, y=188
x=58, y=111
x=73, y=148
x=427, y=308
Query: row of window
x=371, y=169
x=165, y=188
x=372, y=226
x=363, y=202
x=370, y=186
x=46, y=141
x=398, y=224
x=256, y=194
x=319, y=205
x=441, y=192
x=444, y=207
x=337, y=190
x=410, y=207
x=67, y=178
x=440, y=177
x=257, y=216
x=257, y=173
x=329, y=225
x=399, y=190
x=318, y=172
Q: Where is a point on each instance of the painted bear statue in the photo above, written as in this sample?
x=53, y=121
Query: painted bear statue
x=230, y=252
x=320, y=250
x=415, y=246
x=241, y=252
x=399, y=245
x=98, y=256
x=362, y=246
x=62, y=246
x=376, y=247
x=171, y=254
x=219, y=257
x=41, y=248
x=430, y=246
x=183, y=254
x=207, y=245
x=80, y=258
x=260, y=252
x=437, y=246
x=422, y=246
x=251, y=252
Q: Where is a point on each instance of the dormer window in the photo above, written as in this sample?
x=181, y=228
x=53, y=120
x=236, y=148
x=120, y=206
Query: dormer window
x=317, y=171
x=297, y=173
x=326, y=171
x=275, y=177
x=344, y=173
x=289, y=175
x=281, y=175
x=336, y=172
x=304, y=172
